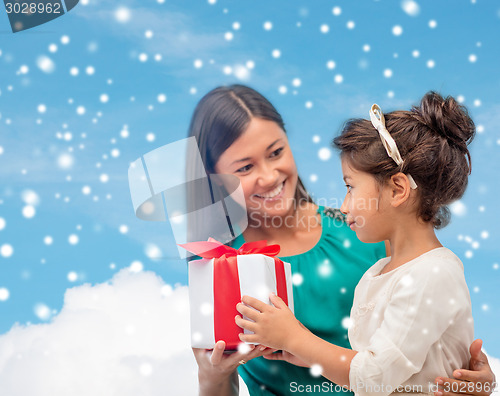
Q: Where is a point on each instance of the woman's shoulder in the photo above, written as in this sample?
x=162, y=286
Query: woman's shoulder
x=332, y=217
x=337, y=233
x=332, y=213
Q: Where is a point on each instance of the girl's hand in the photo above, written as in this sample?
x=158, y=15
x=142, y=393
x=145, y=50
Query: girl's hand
x=274, y=326
x=479, y=380
x=287, y=357
x=217, y=373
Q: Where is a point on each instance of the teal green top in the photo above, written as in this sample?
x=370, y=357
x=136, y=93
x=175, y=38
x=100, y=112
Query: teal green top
x=330, y=272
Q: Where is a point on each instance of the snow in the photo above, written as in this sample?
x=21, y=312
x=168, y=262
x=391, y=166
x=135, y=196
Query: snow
x=324, y=153
x=29, y=211
x=46, y=64
x=4, y=294
x=397, y=30
x=297, y=279
x=316, y=370
x=410, y=7
x=123, y=14
x=6, y=250
x=73, y=239
x=268, y=25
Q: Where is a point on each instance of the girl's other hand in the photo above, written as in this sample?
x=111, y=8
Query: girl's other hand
x=287, y=357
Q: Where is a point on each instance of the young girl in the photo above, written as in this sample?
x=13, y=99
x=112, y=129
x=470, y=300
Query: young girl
x=411, y=315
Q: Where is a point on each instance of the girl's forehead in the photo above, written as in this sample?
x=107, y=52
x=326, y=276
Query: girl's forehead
x=346, y=166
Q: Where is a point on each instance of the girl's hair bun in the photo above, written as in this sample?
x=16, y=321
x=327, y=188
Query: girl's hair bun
x=446, y=117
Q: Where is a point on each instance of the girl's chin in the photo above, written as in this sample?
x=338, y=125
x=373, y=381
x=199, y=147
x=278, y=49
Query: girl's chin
x=366, y=238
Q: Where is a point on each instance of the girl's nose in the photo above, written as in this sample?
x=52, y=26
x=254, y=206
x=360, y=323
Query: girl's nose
x=344, y=208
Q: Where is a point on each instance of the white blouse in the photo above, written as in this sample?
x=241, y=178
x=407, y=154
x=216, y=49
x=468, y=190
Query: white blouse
x=410, y=325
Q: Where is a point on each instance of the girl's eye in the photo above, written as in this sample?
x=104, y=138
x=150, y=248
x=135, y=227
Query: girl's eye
x=348, y=188
x=277, y=152
x=245, y=168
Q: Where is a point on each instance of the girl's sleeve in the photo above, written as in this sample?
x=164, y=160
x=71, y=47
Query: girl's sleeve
x=422, y=305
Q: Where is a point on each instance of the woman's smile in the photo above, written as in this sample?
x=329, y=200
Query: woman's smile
x=274, y=194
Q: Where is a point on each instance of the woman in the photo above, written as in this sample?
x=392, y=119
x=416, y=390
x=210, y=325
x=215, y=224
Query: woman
x=240, y=133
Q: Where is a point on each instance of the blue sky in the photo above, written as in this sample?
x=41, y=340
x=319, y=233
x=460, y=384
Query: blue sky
x=88, y=93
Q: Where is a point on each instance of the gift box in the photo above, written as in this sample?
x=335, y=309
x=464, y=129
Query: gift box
x=219, y=280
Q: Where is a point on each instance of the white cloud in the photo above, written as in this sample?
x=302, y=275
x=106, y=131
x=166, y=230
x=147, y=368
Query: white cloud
x=117, y=338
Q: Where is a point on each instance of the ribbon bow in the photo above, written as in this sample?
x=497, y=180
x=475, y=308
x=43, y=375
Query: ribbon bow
x=214, y=249
x=378, y=122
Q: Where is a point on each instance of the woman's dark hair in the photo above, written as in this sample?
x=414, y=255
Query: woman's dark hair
x=222, y=116
x=432, y=139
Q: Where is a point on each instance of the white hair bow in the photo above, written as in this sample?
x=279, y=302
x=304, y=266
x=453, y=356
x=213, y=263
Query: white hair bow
x=378, y=122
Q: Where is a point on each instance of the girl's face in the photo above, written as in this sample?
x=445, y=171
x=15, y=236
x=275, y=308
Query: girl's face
x=365, y=205
x=262, y=160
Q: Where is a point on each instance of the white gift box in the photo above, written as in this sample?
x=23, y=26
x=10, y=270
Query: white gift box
x=217, y=285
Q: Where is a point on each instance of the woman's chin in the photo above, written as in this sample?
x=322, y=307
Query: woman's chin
x=271, y=215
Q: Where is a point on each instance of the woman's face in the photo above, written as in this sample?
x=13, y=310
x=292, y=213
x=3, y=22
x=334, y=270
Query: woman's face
x=262, y=160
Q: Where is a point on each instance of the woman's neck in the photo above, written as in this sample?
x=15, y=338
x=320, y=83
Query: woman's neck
x=296, y=233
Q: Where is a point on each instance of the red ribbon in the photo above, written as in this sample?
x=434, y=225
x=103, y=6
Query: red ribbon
x=226, y=282
x=213, y=249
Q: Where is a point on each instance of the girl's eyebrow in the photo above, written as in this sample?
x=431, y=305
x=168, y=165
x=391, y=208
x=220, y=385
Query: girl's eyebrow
x=248, y=158
x=347, y=177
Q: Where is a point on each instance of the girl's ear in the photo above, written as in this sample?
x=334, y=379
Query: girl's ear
x=400, y=189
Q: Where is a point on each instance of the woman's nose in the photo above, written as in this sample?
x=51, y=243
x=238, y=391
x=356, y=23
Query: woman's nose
x=268, y=176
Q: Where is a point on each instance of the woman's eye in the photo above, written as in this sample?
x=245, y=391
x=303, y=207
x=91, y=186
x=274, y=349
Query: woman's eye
x=277, y=152
x=245, y=168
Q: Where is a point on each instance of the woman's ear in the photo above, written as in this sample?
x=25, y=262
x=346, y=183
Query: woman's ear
x=400, y=189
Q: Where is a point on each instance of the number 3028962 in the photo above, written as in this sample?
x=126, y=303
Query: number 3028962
x=33, y=8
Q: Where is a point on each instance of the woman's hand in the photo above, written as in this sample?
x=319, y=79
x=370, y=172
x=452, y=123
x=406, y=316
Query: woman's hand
x=287, y=357
x=217, y=373
x=273, y=326
x=479, y=380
